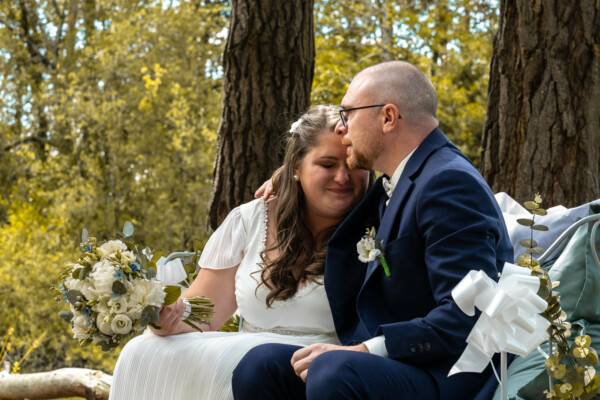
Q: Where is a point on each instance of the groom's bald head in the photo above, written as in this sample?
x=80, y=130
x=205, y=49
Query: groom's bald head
x=404, y=85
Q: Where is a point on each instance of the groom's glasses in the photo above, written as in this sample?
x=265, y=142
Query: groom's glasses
x=344, y=117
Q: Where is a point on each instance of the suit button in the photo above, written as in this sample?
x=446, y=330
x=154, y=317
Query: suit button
x=427, y=346
x=420, y=348
x=412, y=348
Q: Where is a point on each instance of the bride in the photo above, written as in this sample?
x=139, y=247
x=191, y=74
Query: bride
x=266, y=261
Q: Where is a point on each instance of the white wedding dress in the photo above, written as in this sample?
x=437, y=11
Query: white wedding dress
x=200, y=365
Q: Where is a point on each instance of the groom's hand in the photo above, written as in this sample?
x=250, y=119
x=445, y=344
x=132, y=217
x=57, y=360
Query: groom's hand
x=302, y=358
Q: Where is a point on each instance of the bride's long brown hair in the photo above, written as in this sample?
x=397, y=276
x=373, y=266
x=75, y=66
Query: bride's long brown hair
x=294, y=241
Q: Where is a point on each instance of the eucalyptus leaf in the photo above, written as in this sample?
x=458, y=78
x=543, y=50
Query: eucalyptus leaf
x=85, y=272
x=84, y=235
x=189, y=268
x=157, y=255
x=539, y=227
x=172, y=294
x=66, y=315
x=72, y=296
x=525, y=221
x=530, y=243
x=128, y=229
x=536, y=250
x=119, y=288
x=531, y=205
x=543, y=292
x=539, y=211
x=148, y=315
x=151, y=272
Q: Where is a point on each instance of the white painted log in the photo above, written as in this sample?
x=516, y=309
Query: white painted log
x=66, y=382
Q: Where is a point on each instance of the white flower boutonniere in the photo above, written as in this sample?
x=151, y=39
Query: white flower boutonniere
x=369, y=249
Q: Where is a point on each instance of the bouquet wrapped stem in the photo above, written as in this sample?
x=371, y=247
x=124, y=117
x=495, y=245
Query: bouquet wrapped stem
x=199, y=311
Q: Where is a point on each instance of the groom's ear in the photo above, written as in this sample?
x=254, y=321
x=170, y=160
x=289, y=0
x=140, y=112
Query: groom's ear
x=391, y=117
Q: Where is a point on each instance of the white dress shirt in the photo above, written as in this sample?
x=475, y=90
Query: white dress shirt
x=376, y=345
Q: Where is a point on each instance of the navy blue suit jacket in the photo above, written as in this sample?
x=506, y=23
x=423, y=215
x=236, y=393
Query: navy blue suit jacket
x=441, y=222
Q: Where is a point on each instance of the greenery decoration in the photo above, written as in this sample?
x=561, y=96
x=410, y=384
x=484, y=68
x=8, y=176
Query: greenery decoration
x=570, y=367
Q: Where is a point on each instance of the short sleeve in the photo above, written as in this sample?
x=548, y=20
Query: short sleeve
x=225, y=247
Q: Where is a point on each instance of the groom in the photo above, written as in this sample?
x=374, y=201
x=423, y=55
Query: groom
x=400, y=328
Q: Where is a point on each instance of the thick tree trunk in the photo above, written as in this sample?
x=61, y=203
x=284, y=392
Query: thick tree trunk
x=268, y=62
x=542, y=129
x=66, y=382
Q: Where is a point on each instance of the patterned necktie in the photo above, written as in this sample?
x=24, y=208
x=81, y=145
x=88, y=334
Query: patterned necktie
x=387, y=186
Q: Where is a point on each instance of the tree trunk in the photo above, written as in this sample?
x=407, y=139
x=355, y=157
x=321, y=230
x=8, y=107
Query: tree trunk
x=268, y=63
x=542, y=128
x=66, y=382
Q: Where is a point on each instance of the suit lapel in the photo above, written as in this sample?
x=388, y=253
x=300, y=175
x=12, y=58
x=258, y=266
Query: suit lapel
x=432, y=142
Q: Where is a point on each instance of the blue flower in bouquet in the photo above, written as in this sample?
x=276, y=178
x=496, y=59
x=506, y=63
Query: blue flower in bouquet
x=119, y=274
x=135, y=267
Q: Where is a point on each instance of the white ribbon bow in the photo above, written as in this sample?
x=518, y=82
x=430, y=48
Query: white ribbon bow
x=509, y=320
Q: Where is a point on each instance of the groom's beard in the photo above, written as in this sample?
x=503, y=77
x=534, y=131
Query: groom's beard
x=364, y=160
x=357, y=160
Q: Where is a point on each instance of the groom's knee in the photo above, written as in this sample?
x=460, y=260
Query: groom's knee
x=263, y=372
x=334, y=375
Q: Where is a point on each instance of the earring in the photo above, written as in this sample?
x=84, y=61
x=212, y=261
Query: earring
x=296, y=178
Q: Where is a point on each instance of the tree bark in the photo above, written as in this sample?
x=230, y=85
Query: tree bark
x=66, y=382
x=542, y=128
x=268, y=70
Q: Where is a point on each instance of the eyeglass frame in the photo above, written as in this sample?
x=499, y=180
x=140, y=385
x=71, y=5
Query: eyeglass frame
x=343, y=110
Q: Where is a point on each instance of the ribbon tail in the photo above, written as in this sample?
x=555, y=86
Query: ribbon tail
x=471, y=360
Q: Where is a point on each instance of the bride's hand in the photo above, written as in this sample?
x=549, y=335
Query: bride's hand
x=170, y=318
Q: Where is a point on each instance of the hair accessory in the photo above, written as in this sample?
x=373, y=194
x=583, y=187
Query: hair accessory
x=295, y=126
x=296, y=178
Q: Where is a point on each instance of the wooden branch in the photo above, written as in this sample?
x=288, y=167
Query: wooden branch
x=28, y=139
x=66, y=382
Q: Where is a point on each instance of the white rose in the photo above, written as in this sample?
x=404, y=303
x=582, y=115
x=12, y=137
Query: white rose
x=127, y=257
x=119, y=305
x=111, y=247
x=75, y=284
x=147, y=293
x=102, y=307
x=103, y=324
x=367, y=250
x=81, y=324
x=121, y=324
x=102, y=277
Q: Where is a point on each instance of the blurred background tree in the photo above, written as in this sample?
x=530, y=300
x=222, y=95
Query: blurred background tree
x=109, y=111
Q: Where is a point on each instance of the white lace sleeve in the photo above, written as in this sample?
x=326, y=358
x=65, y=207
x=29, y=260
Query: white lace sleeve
x=225, y=247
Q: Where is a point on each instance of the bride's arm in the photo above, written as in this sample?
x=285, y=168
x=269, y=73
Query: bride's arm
x=216, y=284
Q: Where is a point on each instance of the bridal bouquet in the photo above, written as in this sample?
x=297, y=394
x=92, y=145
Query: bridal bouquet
x=113, y=293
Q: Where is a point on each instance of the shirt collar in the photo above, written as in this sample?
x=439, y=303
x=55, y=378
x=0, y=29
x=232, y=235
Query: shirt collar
x=398, y=172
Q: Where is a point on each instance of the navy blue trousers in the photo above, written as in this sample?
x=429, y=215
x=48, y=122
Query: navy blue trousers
x=266, y=373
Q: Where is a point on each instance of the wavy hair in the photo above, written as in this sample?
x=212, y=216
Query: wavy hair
x=294, y=240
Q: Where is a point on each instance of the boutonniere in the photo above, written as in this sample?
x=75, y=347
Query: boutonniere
x=369, y=249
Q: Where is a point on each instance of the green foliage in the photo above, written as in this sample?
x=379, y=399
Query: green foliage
x=451, y=40
x=109, y=113
x=570, y=366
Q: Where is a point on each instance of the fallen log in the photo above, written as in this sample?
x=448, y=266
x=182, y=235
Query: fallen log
x=66, y=382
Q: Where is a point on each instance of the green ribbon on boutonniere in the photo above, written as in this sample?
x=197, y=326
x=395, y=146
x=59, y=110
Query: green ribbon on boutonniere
x=369, y=249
